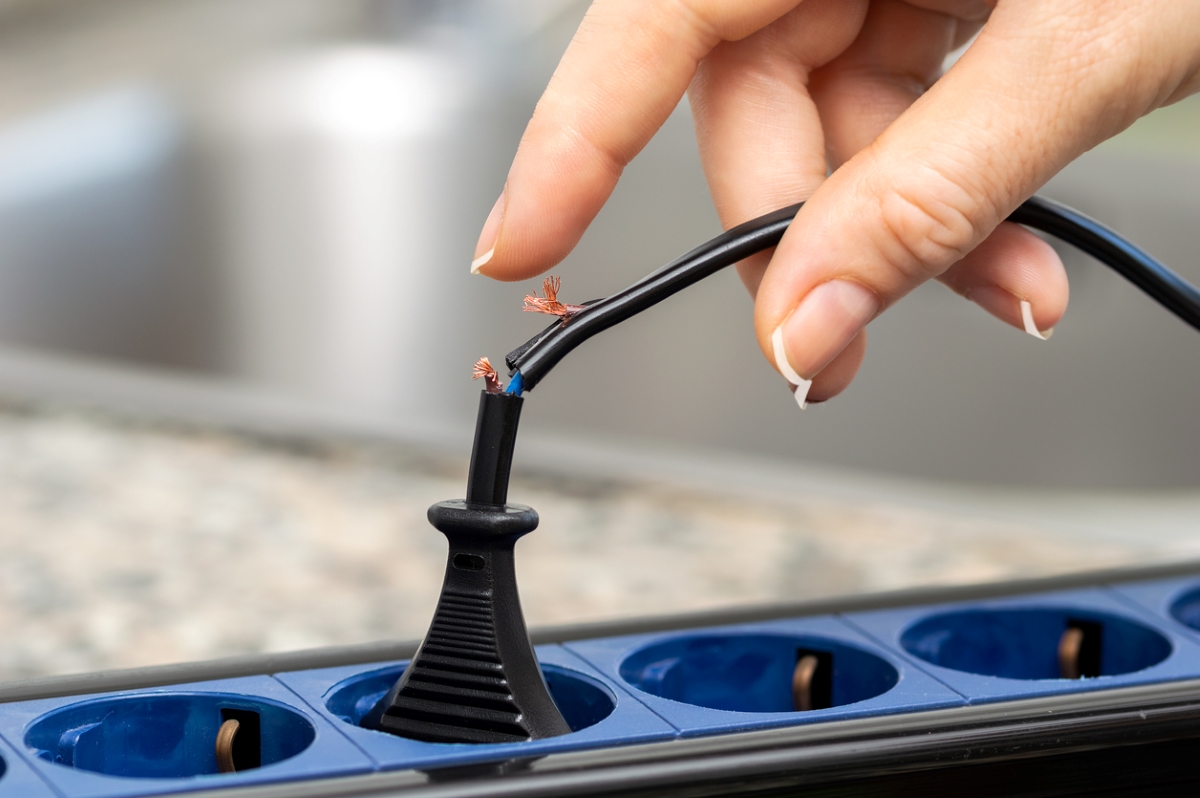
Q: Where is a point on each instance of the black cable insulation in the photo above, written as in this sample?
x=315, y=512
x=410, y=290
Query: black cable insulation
x=540, y=354
x=492, y=454
x=545, y=350
x=515, y=356
x=1087, y=235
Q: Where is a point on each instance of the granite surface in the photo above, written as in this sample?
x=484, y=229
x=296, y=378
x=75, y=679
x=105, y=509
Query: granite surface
x=130, y=542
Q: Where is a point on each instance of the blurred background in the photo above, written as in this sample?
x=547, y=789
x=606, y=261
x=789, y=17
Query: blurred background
x=289, y=193
x=261, y=213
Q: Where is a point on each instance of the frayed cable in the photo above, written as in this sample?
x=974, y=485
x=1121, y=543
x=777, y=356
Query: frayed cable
x=485, y=371
x=549, y=304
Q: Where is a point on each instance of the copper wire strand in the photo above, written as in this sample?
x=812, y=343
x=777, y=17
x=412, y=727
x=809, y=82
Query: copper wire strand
x=549, y=304
x=485, y=371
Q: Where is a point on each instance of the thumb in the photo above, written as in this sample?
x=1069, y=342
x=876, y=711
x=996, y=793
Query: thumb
x=1044, y=82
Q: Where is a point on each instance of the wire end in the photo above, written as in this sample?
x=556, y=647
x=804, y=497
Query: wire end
x=517, y=384
x=549, y=303
x=484, y=371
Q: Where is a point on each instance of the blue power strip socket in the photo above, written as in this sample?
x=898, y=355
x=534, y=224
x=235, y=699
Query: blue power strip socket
x=615, y=691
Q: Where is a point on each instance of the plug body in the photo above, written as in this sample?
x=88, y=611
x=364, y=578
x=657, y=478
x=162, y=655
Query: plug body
x=475, y=678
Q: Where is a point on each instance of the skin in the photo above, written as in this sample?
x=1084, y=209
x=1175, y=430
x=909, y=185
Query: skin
x=925, y=166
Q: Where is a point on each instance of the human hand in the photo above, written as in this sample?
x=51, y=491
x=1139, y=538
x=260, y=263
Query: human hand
x=926, y=166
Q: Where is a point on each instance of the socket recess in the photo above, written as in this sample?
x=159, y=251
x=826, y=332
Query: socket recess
x=600, y=713
x=736, y=678
x=163, y=740
x=1014, y=648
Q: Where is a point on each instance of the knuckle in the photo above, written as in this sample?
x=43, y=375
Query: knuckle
x=612, y=157
x=700, y=21
x=926, y=230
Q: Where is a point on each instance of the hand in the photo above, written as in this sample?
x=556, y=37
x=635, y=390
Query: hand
x=926, y=165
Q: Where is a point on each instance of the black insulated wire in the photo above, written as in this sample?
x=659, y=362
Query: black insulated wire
x=514, y=357
x=1087, y=235
x=492, y=453
x=535, y=358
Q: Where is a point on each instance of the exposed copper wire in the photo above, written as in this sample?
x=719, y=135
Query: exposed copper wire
x=485, y=371
x=549, y=304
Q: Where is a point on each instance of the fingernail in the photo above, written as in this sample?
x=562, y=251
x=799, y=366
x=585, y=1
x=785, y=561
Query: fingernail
x=798, y=384
x=1030, y=325
x=995, y=300
x=486, y=247
x=1005, y=305
x=818, y=329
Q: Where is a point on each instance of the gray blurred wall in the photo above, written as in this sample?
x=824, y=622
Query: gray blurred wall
x=289, y=193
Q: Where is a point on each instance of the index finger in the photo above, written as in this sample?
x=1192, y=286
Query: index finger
x=626, y=69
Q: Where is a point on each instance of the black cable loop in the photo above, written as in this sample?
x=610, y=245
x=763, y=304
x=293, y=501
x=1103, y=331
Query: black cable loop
x=534, y=359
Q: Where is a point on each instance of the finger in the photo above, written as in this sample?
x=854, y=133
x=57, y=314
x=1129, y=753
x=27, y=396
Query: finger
x=626, y=69
x=1013, y=266
x=837, y=376
x=964, y=31
x=1025, y=99
x=968, y=10
x=897, y=56
x=759, y=132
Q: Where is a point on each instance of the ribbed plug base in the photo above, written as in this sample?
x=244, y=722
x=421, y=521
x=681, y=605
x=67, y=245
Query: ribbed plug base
x=475, y=678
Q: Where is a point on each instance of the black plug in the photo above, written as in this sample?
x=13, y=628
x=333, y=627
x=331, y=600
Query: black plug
x=475, y=678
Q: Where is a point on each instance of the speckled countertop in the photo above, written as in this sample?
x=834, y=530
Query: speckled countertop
x=129, y=541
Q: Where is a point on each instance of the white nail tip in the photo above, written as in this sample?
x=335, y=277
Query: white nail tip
x=1030, y=325
x=801, y=393
x=479, y=262
x=781, y=361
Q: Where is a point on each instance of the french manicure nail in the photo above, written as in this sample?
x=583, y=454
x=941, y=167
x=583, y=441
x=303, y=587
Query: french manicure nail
x=1030, y=325
x=819, y=328
x=800, y=393
x=999, y=303
x=479, y=262
x=487, y=236
x=798, y=384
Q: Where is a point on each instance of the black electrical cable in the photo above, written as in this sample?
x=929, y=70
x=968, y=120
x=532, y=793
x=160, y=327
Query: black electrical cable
x=1125, y=258
x=541, y=353
x=533, y=360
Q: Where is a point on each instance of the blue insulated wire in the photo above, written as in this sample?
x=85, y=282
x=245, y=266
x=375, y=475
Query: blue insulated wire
x=516, y=384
